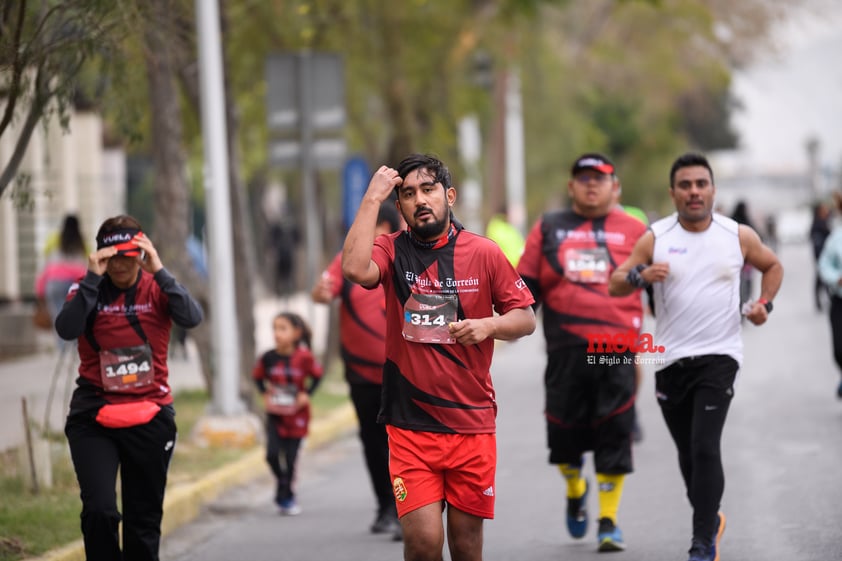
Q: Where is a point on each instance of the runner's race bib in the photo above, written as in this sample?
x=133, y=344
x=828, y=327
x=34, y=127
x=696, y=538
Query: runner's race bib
x=281, y=399
x=126, y=368
x=426, y=318
x=586, y=265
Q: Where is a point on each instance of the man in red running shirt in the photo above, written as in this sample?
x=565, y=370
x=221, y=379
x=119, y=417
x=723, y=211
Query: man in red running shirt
x=589, y=389
x=443, y=286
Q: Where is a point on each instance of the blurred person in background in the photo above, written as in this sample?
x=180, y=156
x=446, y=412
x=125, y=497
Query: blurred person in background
x=509, y=238
x=362, y=338
x=589, y=393
x=819, y=232
x=771, y=224
x=286, y=376
x=741, y=216
x=830, y=272
x=66, y=263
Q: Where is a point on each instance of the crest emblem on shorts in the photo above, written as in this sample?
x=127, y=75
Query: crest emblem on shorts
x=400, y=489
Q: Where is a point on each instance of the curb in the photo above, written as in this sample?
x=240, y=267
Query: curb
x=184, y=502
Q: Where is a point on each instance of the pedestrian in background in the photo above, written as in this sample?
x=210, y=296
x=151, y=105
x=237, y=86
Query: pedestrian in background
x=121, y=417
x=819, y=232
x=443, y=286
x=66, y=263
x=287, y=376
x=830, y=274
x=685, y=258
x=741, y=216
x=589, y=401
x=362, y=338
x=506, y=235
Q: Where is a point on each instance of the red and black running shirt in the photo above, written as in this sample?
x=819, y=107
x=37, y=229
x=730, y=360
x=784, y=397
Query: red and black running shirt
x=293, y=370
x=567, y=262
x=443, y=387
x=362, y=327
x=99, y=313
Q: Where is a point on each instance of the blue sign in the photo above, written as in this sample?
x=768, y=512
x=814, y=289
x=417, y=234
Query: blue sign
x=355, y=178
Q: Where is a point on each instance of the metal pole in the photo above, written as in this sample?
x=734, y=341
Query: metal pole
x=224, y=333
x=470, y=191
x=308, y=186
x=515, y=154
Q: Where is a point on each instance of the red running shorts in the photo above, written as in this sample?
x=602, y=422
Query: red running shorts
x=427, y=467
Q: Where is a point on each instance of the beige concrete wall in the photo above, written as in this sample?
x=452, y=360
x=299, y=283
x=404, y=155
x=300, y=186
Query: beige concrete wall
x=70, y=172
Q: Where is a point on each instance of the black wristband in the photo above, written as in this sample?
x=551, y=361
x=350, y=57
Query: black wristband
x=635, y=279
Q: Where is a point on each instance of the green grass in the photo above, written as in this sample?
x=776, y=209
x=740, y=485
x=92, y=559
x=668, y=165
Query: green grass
x=32, y=524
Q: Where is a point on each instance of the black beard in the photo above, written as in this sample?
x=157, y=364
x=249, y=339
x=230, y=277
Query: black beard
x=429, y=230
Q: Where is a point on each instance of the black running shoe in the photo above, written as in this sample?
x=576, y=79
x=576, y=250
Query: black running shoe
x=386, y=523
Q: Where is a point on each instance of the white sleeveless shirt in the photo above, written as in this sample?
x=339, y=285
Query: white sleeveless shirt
x=697, y=307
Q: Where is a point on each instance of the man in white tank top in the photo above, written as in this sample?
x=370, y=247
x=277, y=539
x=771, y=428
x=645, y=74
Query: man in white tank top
x=692, y=260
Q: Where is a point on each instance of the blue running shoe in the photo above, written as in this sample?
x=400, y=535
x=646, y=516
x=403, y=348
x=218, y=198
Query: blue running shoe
x=699, y=551
x=717, y=536
x=289, y=507
x=702, y=550
x=609, y=536
x=577, y=514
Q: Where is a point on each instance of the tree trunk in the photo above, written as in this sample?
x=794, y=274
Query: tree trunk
x=245, y=263
x=172, y=192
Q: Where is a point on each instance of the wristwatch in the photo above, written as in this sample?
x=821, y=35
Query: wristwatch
x=766, y=304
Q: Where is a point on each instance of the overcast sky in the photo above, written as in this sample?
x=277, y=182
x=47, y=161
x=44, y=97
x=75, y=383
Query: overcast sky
x=794, y=94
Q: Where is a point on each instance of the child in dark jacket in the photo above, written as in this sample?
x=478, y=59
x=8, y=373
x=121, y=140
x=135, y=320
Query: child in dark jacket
x=287, y=376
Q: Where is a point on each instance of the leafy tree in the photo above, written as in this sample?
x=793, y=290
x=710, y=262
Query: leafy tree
x=43, y=49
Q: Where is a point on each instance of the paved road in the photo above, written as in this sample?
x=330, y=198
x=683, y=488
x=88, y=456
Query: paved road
x=782, y=453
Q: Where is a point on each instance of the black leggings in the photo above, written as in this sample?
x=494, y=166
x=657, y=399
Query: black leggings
x=142, y=455
x=375, y=441
x=281, y=455
x=836, y=329
x=694, y=395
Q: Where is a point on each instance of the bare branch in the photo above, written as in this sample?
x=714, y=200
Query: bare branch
x=36, y=110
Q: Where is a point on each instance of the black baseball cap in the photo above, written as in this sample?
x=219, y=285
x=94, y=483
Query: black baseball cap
x=593, y=161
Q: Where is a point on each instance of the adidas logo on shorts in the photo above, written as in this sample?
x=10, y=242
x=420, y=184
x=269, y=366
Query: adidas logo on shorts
x=489, y=492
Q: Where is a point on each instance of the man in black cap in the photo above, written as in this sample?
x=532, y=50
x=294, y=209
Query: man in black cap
x=591, y=340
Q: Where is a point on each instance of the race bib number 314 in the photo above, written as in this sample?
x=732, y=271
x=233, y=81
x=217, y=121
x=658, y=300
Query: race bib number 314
x=427, y=316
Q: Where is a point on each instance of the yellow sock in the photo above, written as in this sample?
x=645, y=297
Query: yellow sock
x=610, y=493
x=575, y=481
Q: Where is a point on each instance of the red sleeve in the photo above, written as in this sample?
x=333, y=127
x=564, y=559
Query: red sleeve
x=383, y=254
x=530, y=262
x=316, y=369
x=510, y=292
x=258, y=372
x=334, y=271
